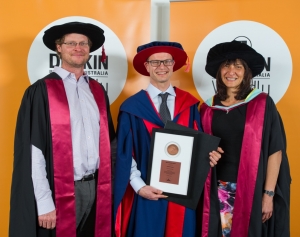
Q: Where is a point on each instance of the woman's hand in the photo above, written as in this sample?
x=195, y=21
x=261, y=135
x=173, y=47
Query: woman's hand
x=214, y=156
x=267, y=207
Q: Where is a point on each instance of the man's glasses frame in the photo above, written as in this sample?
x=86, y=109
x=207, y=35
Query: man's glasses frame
x=73, y=44
x=157, y=63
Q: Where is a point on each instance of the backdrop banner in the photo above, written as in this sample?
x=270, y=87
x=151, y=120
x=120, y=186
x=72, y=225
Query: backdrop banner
x=270, y=27
x=24, y=59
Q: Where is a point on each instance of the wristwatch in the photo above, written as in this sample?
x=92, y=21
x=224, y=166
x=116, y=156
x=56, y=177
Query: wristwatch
x=269, y=193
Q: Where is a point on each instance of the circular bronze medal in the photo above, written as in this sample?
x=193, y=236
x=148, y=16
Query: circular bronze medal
x=172, y=149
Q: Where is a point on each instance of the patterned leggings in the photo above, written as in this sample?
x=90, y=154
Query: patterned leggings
x=226, y=193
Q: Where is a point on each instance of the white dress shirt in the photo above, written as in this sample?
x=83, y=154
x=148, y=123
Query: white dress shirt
x=85, y=128
x=136, y=181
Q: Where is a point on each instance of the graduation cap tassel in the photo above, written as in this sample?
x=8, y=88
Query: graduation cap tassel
x=103, y=56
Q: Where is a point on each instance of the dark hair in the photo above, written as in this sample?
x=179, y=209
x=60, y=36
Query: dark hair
x=244, y=88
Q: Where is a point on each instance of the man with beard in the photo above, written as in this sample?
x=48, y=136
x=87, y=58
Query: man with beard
x=61, y=182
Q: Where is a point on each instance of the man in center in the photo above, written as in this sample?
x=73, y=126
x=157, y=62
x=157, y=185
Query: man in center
x=139, y=209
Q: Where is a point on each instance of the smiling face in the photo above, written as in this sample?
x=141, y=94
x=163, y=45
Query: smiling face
x=73, y=57
x=232, y=74
x=160, y=76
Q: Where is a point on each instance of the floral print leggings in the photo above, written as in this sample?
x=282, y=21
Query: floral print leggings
x=226, y=193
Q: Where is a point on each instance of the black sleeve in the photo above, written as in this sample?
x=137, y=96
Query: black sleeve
x=23, y=216
x=276, y=142
x=32, y=129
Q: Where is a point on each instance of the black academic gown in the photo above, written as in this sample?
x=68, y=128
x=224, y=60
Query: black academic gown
x=33, y=128
x=278, y=224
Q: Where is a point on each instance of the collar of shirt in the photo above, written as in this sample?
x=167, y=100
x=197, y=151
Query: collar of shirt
x=154, y=92
x=66, y=75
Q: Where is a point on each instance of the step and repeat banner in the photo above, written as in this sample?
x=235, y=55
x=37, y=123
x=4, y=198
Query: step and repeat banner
x=269, y=27
x=24, y=59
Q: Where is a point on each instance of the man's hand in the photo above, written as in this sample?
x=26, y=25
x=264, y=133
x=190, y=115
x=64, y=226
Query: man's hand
x=151, y=193
x=267, y=207
x=214, y=156
x=48, y=220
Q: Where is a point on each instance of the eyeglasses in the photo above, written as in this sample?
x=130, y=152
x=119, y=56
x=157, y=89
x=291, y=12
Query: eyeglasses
x=156, y=63
x=74, y=44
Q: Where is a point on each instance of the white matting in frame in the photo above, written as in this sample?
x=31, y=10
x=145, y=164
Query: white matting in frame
x=177, y=151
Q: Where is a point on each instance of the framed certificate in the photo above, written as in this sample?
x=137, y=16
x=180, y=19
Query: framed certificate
x=179, y=162
x=171, y=161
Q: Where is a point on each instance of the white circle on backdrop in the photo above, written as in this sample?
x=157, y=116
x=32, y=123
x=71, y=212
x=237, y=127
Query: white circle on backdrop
x=113, y=75
x=276, y=76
